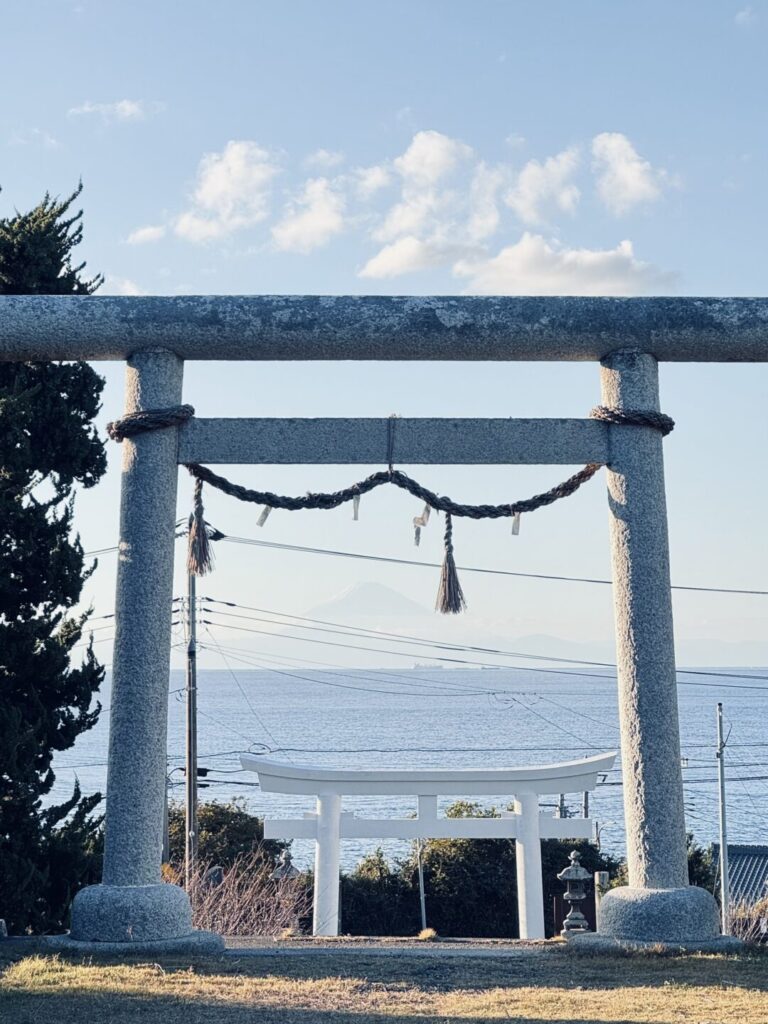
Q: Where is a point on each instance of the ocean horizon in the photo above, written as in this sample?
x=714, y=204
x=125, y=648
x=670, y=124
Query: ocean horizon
x=433, y=717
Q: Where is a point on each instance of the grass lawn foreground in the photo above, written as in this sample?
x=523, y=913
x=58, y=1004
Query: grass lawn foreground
x=355, y=988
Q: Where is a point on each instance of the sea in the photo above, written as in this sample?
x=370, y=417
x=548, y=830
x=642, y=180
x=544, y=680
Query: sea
x=444, y=718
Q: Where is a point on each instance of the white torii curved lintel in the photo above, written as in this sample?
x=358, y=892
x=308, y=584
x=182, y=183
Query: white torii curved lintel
x=314, y=780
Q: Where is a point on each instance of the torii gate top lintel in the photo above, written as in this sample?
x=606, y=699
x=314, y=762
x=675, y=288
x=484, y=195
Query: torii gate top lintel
x=365, y=327
x=566, y=777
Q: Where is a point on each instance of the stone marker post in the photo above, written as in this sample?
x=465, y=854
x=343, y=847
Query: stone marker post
x=658, y=905
x=133, y=906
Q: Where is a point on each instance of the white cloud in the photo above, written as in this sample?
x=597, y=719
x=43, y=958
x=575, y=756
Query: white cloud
x=120, y=286
x=371, y=180
x=418, y=211
x=435, y=221
x=232, y=192
x=538, y=184
x=122, y=110
x=34, y=137
x=534, y=266
x=746, y=16
x=150, y=233
x=423, y=206
x=483, y=208
x=624, y=179
x=324, y=158
x=409, y=254
x=313, y=218
x=430, y=156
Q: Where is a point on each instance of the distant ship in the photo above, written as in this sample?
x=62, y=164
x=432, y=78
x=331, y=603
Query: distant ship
x=490, y=668
x=432, y=668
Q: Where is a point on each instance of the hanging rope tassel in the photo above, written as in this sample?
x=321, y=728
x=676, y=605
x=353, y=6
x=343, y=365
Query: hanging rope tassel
x=199, y=551
x=450, y=596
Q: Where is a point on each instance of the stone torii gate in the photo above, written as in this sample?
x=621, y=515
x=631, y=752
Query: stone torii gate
x=526, y=824
x=628, y=337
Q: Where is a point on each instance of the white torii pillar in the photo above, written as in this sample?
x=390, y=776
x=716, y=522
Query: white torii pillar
x=325, y=907
x=530, y=897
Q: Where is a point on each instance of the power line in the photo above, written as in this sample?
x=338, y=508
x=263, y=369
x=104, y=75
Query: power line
x=705, y=782
x=404, y=638
x=251, y=541
x=378, y=674
x=400, y=638
x=251, y=708
x=398, y=654
x=549, y=721
x=465, y=661
x=465, y=568
x=293, y=674
x=427, y=689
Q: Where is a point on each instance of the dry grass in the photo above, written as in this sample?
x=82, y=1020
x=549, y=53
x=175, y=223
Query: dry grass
x=359, y=989
x=247, y=900
x=749, y=920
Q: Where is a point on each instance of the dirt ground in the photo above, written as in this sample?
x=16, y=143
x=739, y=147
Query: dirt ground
x=356, y=986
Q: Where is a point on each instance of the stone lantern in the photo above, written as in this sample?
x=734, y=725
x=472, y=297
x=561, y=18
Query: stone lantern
x=575, y=878
x=285, y=869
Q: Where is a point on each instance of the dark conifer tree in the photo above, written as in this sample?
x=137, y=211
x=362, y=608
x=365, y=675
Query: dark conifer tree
x=48, y=673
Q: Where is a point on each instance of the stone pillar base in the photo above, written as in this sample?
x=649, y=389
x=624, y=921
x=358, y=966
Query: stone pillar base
x=142, y=918
x=197, y=943
x=589, y=944
x=687, y=917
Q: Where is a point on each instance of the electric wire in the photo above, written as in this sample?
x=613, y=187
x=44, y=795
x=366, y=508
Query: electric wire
x=240, y=687
x=343, y=686
x=251, y=541
x=365, y=633
x=472, y=662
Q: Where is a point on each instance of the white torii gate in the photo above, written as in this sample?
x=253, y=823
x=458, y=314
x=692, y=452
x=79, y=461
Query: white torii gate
x=527, y=825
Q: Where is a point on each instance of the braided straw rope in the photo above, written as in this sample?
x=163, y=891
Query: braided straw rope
x=150, y=419
x=450, y=597
x=634, y=418
x=399, y=479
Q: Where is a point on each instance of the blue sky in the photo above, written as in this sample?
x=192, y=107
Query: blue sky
x=497, y=147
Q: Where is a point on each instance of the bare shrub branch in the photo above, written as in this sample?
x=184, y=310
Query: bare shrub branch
x=247, y=900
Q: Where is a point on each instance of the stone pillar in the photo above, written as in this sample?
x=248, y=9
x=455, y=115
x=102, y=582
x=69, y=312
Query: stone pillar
x=325, y=915
x=530, y=885
x=133, y=907
x=658, y=905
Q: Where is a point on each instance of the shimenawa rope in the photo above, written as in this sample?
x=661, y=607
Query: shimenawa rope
x=450, y=597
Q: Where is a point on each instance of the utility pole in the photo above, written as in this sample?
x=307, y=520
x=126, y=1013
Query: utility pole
x=166, y=837
x=725, y=889
x=422, y=897
x=190, y=844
